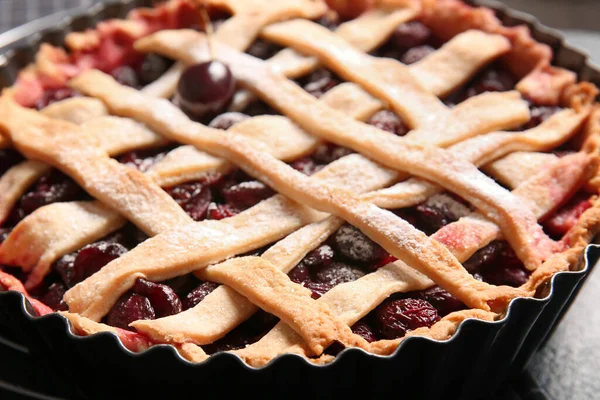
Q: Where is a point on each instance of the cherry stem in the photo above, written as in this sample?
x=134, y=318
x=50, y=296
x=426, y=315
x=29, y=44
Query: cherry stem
x=209, y=29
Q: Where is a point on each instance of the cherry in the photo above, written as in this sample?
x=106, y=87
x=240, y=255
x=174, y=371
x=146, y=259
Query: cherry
x=336, y=273
x=54, y=95
x=396, y=317
x=129, y=308
x=320, y=82
x=318, y=289
x=227, y=120
x=438, y=212
x=247, y=194
x=263, y=49
x=410, y=34
x=306, y=165
x=92, y=258
x=182, y=285
x=8, y=158
x=197, y=295
x=125, y=75
x=153, y=67
x=164, y=300
x=322, y=256
x=484, y=256
x=389, y=121
x=491, y=80
x=142, y=160
x=329, y=152
x=443, y=301
x=300, y=274
x=349, y=9
x=416, y=54
x=53, y=297
x=220, y=211
x=205, y=88
x=329, y=21
x=365, y=330
x=353, y=245
x=49, y=189
x=193, y=197
x=567, y=216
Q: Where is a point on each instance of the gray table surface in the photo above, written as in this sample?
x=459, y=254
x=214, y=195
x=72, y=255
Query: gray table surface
x=574, y=349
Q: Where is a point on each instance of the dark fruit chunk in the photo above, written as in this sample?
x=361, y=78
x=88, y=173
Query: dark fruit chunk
x=506, y=269
x=263, y=49
x=320, y=82
x=443, y=301
x=54, y=95
x=205, y=88
x=389, y=121
x=484, y=256
x=153, y=67
x=299, y=274
x=541, y=114
x=64, y=267
x=349, y=9
x=142, y=160
x=130, y=307
x=8, y=158
x=337, y=273
x=198, y=294
x=328, y=153
x=164, y=300
x=395, y=318
x=305, y=165
x=193, y=197
x=247, y=194
x=329, y=21
x=318, y=289
x=364, y=329
x=355, y=246
x=438, y=212
x=50, y=189
x=416, y=54
x=53, y=298
x=410, y=34
x=227, y=120
x=491, y=80
x=125, y=75
x=220, y=211
x=93, y=257
x=320, y=257
x=183, y=284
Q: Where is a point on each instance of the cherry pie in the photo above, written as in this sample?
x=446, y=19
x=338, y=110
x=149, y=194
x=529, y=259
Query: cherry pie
x=296, y=176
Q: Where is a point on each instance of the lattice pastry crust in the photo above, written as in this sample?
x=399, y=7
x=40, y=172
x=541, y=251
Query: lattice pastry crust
x=444, y=151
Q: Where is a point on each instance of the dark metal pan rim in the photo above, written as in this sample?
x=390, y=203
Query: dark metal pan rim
x=92, y=339
x=582, y=64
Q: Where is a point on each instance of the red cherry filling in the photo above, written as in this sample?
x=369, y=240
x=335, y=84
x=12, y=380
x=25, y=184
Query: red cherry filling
x=8, y=159
x=143, y=160
x=227, y=120
x=263, y=49
x=126, y=75
x=416, y=54
x=349, y=9
x=54, y=95
x=51, y=188
x=396, y=317
x=540, y=114
x=205, y=88
x=130, y=307
x=198, y=294
x=355, y=247
x=164, y=300
x=193, y=197
x=152, y=67
x=319, y=82
x=247, y=194
x=389, y=121
x=567, y=216
x=410, y=34
x=493, y=79
x=498, y=264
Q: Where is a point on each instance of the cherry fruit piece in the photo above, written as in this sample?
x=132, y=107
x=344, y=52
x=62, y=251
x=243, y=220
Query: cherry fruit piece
x=399, y=316
x=205, y=88
x=164, y=300
x=130, y=307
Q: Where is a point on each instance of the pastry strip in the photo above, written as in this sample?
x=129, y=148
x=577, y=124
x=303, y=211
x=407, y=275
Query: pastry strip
x=392, y=151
